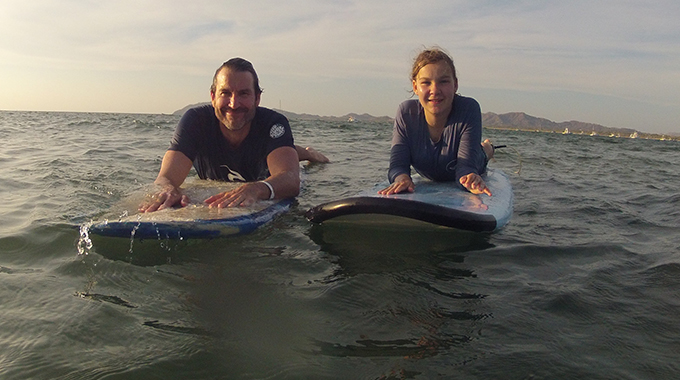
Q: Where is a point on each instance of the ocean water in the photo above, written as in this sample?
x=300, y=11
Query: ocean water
x=583, y=283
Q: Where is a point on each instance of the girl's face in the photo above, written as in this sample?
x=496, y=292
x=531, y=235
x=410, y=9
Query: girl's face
x=435, y=87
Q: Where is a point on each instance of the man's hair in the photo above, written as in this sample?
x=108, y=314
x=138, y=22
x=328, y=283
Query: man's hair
x=238, y=64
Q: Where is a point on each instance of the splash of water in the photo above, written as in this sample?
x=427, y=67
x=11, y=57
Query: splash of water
x=84, y=245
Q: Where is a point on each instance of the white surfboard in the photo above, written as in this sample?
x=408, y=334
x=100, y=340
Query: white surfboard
x=434, y=203
x=193, y=221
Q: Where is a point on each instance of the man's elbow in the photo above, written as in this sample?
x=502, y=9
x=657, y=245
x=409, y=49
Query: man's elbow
x=295, y=186
x=292, y=185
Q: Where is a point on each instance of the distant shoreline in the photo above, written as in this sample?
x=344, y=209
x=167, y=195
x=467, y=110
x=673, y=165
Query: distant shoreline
x=510, y=121
x=639, y=135
x=518, y=121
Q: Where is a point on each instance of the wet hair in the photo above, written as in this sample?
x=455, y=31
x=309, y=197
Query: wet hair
x=238, y=64
x=432, y=55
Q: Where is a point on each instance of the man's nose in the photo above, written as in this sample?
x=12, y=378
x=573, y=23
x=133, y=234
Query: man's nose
x=232, y=101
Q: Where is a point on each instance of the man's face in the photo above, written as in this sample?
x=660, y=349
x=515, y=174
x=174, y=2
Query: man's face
x=235, y=99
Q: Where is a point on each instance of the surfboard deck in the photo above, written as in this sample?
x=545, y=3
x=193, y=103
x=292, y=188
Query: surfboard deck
x=433, y=203
x=193, y=221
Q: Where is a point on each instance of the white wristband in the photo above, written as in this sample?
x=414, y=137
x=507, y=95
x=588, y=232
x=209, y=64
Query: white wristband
x=271, y=189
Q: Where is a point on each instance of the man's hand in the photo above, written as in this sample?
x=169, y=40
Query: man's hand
x=310, y=154
x=244, y=195
x=168, y=197
x=174, y=170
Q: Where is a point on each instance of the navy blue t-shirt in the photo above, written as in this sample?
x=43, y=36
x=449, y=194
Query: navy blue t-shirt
x=199, y=137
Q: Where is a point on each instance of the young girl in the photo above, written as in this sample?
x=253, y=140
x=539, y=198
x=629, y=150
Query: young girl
x=440, y=133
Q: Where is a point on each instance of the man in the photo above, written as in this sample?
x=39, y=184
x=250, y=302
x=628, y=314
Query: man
x=233, y=139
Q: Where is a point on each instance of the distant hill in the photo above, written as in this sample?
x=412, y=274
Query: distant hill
x=304, y=116
x=520, y=120
x=349, y=117
x=511, y=120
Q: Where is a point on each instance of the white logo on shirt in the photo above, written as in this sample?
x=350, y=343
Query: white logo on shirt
x=233, y=176
x=277, y=131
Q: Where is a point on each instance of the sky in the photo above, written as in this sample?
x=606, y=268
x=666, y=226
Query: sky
x=615, y=63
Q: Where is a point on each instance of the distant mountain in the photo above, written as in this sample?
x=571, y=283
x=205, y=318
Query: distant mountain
x=304, y=116
x=349, y=117
x=513, y=120
x=520, y=120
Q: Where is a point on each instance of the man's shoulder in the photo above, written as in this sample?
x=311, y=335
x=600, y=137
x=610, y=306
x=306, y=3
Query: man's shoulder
x=201, y=110
x=272, y=125
x=266, y=117
x=199, y=114
x=265, y=112
x=199, y=118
